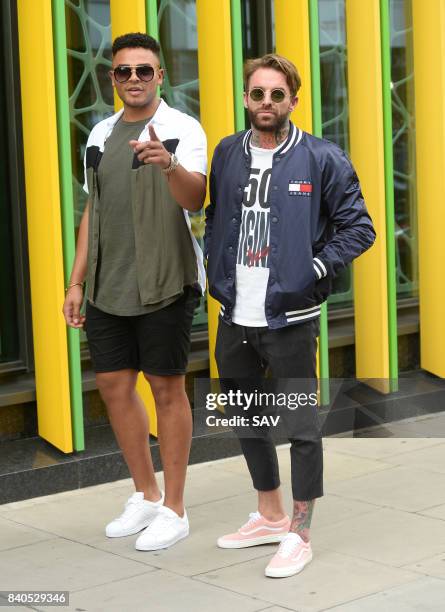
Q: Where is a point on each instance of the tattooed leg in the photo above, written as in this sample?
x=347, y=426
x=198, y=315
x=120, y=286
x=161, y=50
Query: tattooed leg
x=301, y=519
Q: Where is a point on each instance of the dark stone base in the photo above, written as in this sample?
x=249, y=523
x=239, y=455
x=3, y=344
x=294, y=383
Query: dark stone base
x=32, y=467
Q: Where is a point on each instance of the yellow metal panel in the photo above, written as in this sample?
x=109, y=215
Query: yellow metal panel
x=126, y=17
x=130, y=17
x=366, y=138
x=217, y=114
x=293, y=41
x=44, y=222
x=144, y=390
x=429, y=83
x=297, y=50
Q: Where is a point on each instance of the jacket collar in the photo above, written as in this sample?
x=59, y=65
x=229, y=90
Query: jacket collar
x=293, y=138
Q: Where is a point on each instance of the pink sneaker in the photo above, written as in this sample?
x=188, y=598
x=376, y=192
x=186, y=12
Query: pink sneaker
x=294, y=553
x=257, y=530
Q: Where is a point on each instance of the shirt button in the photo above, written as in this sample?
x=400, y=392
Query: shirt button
x=274, y=219
x=240, y=189
x=275, y=187
x=233, y=219
x=230, y=249
x=229, y=278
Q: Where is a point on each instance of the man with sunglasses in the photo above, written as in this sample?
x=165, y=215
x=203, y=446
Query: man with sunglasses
x=286, y=215
x=145, y=169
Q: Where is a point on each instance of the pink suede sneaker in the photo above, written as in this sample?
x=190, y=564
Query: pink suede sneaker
x=294, y=553
x=257, y=530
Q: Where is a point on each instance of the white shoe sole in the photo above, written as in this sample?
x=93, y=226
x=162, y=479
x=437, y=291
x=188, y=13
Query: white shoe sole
x=160, y=546
x=285, y=572
x=129, y=532
x=272, y=539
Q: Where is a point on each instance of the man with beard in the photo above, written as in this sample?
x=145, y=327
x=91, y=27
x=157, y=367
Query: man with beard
x=145, y=168
x=286, y=215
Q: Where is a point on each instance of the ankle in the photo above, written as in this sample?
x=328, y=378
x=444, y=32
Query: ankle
x=152, y=495
x=178, y=508
x=304, y=534
x=272, y=515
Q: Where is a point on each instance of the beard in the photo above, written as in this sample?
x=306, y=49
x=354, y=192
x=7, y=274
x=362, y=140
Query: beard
x=274, y=124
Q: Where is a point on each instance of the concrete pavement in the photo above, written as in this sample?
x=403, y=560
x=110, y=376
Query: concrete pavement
x=378, y=538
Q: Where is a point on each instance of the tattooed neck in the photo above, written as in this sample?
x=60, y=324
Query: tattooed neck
x=269, y=140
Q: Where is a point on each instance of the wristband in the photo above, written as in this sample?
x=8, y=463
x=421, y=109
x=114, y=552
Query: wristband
x=73, y=285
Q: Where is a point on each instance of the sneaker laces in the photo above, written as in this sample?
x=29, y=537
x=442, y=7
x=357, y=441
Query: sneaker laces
x=128, y=511
x=253, y=517
x=160, y=521
x=288, y=546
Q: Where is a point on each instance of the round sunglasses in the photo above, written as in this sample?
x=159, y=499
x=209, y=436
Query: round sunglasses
x=257, y=94
x=144, y=72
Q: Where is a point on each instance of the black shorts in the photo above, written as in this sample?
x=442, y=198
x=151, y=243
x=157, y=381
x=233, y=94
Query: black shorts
x=156, y=343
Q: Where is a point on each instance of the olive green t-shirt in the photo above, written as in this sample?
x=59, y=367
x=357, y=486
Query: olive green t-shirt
x=117, y=289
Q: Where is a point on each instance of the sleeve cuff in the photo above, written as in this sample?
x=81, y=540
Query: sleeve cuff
x=320, y=268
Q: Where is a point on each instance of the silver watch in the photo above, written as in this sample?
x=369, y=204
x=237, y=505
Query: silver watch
x=174, y=163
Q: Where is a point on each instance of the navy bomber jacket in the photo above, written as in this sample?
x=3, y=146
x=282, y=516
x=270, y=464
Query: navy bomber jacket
x=318, y=223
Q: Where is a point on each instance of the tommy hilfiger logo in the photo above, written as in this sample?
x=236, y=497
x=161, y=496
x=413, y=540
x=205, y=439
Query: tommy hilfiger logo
x=300, y=188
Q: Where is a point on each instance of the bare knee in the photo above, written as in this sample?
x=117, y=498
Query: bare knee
x=167, y=391
x=116, y=386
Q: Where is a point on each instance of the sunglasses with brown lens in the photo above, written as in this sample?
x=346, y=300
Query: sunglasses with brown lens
x=144, y=72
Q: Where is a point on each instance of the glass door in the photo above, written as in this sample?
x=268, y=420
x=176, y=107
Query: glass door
x=15, y=337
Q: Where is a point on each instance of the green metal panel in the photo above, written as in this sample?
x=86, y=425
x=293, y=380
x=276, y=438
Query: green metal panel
x=151, y=17
x=317, y=130
x=66, y=198
x=389, y=192
x=237, y=61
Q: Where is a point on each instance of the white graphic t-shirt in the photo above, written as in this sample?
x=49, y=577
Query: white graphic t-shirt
x=252, y=264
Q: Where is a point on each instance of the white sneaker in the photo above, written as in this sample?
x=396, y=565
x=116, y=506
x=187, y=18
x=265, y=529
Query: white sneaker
x=138, y=514
x=166, y=529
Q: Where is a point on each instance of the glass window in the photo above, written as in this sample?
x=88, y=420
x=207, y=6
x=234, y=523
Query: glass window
x=258, y=27
x=179, y=56
x=334, y=103
x=9, y=343
x=15, y=333
x=258, y=31
x=90, y=91
x=404, y=148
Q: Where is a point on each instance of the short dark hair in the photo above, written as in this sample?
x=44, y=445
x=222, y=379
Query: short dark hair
x=277, y=62
x=134, y=40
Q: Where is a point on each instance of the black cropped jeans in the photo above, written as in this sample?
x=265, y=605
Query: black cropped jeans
x=245, y=355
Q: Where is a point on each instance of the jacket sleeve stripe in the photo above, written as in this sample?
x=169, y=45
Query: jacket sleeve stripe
x=321, y=267
x=299, y=312
x=317, y=271
x=314, y=314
